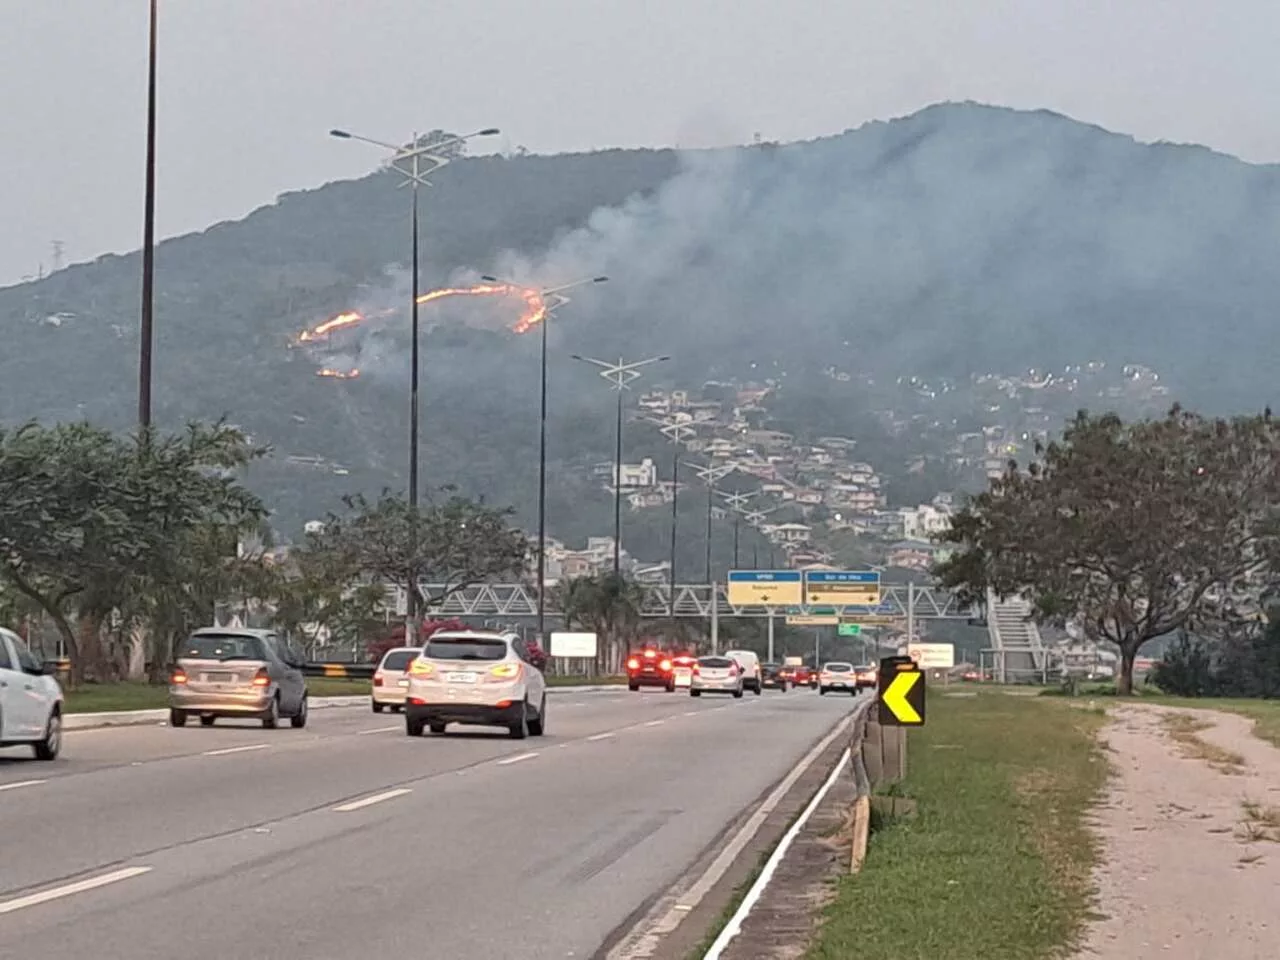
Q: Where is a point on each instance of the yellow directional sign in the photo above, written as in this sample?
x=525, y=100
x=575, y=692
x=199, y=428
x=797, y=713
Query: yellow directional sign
x=901, y=693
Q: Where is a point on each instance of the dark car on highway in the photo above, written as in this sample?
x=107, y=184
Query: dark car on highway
x=774, y=676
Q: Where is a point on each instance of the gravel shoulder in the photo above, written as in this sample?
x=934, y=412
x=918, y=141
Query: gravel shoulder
x=1190, y=829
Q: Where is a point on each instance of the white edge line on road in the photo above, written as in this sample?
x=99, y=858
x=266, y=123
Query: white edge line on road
x=643, y=941
x=365, y=733
x=21, y=783
x=67, y=890
x=734, y=926
x=370, y=801
x=516, y=759
x=600, y=736
x=226, y=750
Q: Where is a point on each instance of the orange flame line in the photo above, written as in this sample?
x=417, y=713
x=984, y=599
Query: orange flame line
x=535, y=311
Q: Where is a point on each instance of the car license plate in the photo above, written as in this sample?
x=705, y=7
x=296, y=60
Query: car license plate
x=402, y=683
x=460, y=677
x=219, y=677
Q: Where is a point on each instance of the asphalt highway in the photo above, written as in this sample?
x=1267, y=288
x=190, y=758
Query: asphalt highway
x=349, y=839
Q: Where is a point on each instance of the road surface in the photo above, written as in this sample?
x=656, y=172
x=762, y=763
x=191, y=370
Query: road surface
x=350, y=839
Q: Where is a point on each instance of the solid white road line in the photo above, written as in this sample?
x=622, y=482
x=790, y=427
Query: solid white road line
x=734, y=926
x=647, y=935
x=226, y=750
x=601, y=736
x=70, y=889
x=21, y=783
x=370, y=801
x=365, y=733
x=516, y=759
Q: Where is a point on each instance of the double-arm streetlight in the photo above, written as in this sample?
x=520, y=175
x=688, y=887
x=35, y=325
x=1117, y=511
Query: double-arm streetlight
x=737, y=502
x=553, y=298
x=414, y=162
x=620, y=376
x=677, y=432
x=711, y=475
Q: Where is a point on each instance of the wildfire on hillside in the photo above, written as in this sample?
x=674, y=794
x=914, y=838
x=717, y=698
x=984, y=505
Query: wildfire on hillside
x=535, y=310
x=337, y=374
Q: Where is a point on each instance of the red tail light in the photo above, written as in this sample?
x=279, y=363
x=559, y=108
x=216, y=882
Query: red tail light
x=633, y=664
x=261, y=678
x=377, y=679
x=733, y=670
x=664, y=665
x=697, y=668
x=179, y=676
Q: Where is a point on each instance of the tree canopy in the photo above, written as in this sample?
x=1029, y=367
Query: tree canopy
x=1130, y=530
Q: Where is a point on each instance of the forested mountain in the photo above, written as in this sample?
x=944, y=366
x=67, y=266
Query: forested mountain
x=963, y=239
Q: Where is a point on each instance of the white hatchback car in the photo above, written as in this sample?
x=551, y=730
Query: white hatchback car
x=475, y=677
x=391, y=678
x=30, y=700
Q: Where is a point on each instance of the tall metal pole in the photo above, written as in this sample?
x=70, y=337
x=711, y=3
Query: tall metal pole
x=542, y=491
x=617, y=492
x=675, y=513
x=411, y=602
x=148, y=237
x=710, y=495
x=737, y=522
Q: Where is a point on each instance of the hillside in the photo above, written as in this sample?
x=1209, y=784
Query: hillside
x=961, y=240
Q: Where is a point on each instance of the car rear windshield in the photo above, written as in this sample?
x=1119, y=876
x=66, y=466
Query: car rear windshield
x=716, y=662
x=398, y=659
x=230, y=647
x=840, y=667
x=458, y=648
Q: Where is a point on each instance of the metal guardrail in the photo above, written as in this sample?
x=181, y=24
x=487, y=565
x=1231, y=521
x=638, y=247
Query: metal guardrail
x=879, y=756
x=350, y=671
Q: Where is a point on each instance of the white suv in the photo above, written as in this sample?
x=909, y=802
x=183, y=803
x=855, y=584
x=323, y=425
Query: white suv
x=30, y=700
x=475, y=677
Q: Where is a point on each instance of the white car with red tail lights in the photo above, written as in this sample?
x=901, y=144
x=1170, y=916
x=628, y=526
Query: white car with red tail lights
x=476, y=678
x=716, y=675
x=391, y=678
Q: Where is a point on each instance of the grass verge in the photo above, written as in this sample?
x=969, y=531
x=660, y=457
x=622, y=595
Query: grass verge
x=996, y=865
x=1184, y=730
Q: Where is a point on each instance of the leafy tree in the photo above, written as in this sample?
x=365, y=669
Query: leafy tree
x=1134, y=529
x=322, y=590
x=454, y=543
x=92, y=521
x=606, y=605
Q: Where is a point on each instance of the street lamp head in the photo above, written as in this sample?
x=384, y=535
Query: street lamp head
x=340, y=134
x=489, y=132
x=599, y=279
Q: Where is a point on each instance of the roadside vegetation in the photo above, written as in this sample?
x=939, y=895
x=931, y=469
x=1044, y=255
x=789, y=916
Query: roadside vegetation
x=996, y=864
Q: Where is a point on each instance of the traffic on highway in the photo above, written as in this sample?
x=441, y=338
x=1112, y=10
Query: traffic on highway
x=299, y=841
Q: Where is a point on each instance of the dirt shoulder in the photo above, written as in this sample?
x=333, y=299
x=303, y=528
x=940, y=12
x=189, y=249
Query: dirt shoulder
x=1190, y=829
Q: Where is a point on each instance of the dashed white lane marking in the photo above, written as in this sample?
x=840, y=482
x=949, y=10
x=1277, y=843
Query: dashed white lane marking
x=654, y=723
x=70, y=889
x=21, y=783
x=370, y=801
x=226, y=750
x=691, y=713
x=516, y=759
x=365, y=733
x=600, y=736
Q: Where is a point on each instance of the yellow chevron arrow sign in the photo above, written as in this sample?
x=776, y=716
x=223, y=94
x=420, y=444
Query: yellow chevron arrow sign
x=901, y=695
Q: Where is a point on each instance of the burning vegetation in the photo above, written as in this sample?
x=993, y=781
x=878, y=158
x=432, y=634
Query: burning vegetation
x=534, y=312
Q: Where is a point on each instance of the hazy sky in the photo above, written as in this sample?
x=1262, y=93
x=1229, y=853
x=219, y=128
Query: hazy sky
x=248, y=88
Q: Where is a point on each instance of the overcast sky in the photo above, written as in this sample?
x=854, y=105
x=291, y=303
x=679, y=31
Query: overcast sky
x=248, y=88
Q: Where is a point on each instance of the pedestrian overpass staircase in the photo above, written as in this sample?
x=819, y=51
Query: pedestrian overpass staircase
x=1019, y=653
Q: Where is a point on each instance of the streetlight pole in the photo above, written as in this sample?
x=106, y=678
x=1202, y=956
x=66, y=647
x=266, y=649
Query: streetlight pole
x=676, y=432
x=148, y=237
x=737, y=502
x=415, y=175
x=711, y=475
x=553, y=298
x=620, y=376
